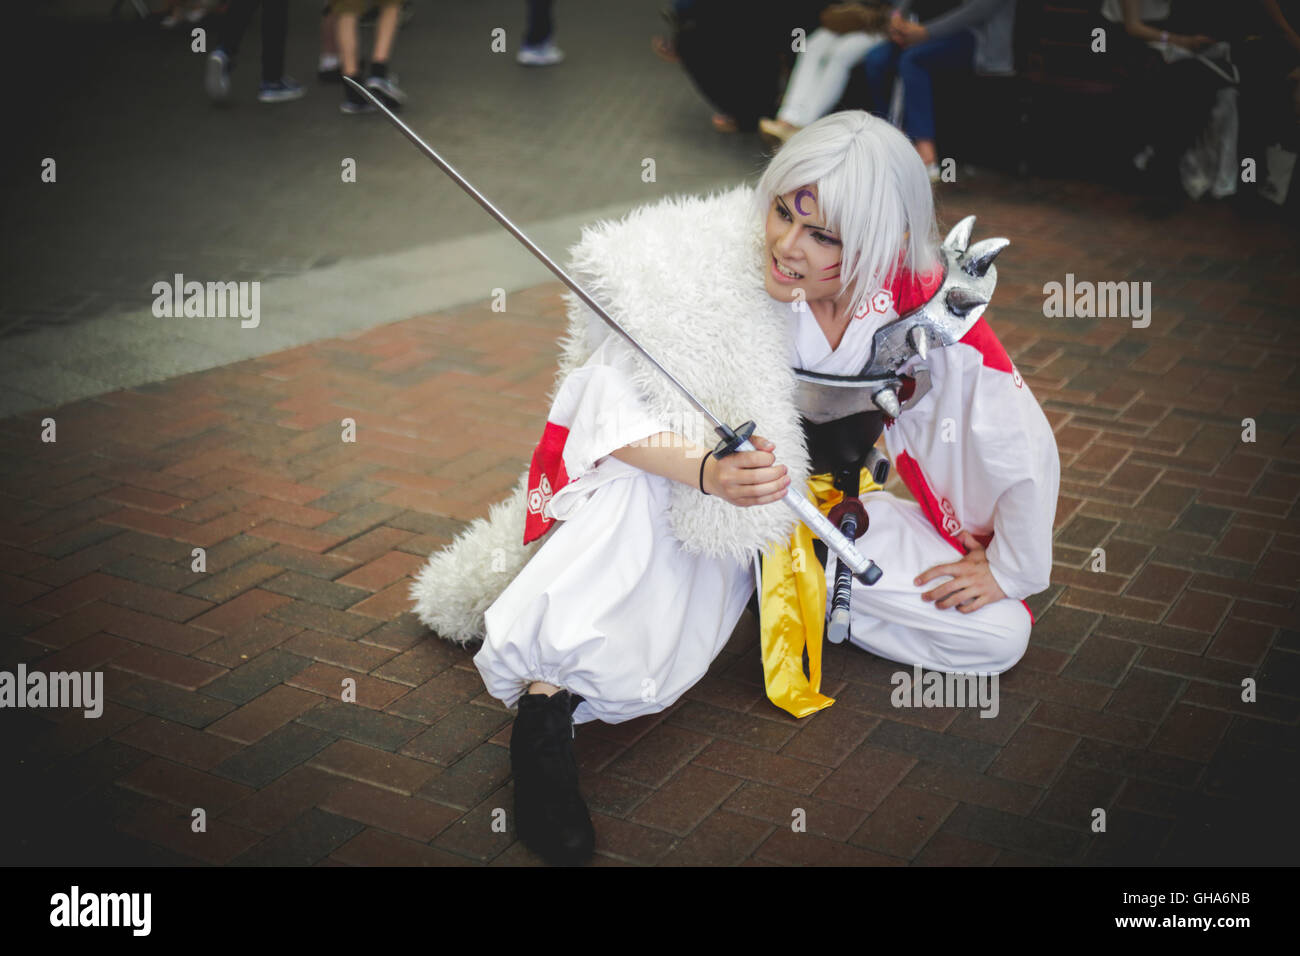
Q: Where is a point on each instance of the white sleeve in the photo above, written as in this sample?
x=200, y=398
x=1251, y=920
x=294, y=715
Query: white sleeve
x=1020, y=554
x=603, y=408
x=986, y=450
x=1027, y=467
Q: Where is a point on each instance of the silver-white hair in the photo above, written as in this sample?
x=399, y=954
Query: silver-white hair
x=873, y=192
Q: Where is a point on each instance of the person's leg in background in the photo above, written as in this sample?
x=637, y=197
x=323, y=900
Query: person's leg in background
x=347, y=13
x=276, y=86
x=328, y=69
x=538, y=48
x=805, y=79
x=539, y=21
x=666, y=47
x=880, y=65
x=386, y=31
x=817, y=81
x=221, y=61
x=916, y=69
x=1141, y=65
x=844, y=54
x=381, y=81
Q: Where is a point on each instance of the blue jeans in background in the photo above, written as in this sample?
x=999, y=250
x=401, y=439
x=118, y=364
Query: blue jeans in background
x=914, y=68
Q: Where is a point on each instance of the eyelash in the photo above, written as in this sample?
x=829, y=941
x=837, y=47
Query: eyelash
x=821, y=237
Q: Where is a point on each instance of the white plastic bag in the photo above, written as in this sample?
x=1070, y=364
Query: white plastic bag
x=1210, y=165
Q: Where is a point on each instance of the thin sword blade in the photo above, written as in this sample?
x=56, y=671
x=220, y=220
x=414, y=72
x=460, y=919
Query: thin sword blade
x=864, y=568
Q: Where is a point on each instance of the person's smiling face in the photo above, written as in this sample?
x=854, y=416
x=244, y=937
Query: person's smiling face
x=799, y=241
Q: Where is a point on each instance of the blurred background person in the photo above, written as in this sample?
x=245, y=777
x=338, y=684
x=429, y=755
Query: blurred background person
x=276, y=86
x=821, y=72
x=185, y=11
x=664, y=47
x=1179, y=63
x=738, y=52
x=380, y=81
x=328, y=67
x=1268, y=57
x=538, y=48
x=974, y=37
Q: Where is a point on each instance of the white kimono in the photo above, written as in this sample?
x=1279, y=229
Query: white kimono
x=611, y=608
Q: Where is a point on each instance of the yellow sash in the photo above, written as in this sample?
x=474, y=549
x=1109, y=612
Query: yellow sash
x=792, y=610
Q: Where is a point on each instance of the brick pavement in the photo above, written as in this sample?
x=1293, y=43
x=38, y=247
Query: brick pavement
x=223, y=685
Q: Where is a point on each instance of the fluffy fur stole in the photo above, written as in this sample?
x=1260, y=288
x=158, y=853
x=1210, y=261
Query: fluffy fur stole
x=684, y=276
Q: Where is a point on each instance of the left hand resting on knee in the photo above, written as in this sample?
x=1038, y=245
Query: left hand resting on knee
x=972, y=585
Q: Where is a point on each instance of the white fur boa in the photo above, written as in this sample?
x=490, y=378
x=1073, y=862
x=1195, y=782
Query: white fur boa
x=684, y=276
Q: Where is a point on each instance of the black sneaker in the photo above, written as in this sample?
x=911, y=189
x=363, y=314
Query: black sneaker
x=386, y=88
x=551, y=817
x=354, y=102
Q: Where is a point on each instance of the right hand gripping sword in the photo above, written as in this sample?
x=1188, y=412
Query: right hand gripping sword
x=732, y=440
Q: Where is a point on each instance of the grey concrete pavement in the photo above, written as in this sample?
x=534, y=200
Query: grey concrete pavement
x=153, y=180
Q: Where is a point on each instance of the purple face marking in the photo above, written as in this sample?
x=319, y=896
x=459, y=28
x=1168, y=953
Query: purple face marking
x=798, y=198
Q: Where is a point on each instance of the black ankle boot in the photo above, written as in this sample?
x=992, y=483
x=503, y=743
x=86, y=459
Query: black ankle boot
x=550, y=814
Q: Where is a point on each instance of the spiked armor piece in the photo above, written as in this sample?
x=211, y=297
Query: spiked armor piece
x=968, y=281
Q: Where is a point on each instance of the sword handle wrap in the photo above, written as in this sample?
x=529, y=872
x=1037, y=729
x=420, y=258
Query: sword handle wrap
x=839, y=628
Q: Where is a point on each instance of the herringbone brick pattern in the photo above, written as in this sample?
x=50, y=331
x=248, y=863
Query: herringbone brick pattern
x=224, y=684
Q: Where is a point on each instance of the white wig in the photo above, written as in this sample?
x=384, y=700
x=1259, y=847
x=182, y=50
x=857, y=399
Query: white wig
x=873, y=192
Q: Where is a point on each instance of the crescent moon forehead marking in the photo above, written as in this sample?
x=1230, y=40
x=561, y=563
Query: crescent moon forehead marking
x=798, y=200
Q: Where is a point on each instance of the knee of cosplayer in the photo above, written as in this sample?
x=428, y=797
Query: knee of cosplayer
x=1011, y=644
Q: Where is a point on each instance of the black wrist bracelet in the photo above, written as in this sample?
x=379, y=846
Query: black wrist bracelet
x=702, y=463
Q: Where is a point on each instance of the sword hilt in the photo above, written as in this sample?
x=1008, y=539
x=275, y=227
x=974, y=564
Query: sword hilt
x=863, y=568
x=731, y=440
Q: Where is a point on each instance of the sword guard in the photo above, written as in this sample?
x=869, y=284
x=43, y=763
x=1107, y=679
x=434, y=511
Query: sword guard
x=854, y=506
x=731, y=440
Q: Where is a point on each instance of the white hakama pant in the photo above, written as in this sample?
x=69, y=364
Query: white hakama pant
x=890, y=620
x=610, y=607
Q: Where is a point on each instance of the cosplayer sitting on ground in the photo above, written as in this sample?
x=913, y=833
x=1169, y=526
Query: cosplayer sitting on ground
x=650, y=547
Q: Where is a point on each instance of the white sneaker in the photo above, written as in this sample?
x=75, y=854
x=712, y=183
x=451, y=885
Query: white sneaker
x=544, y=55
x=216, y=76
